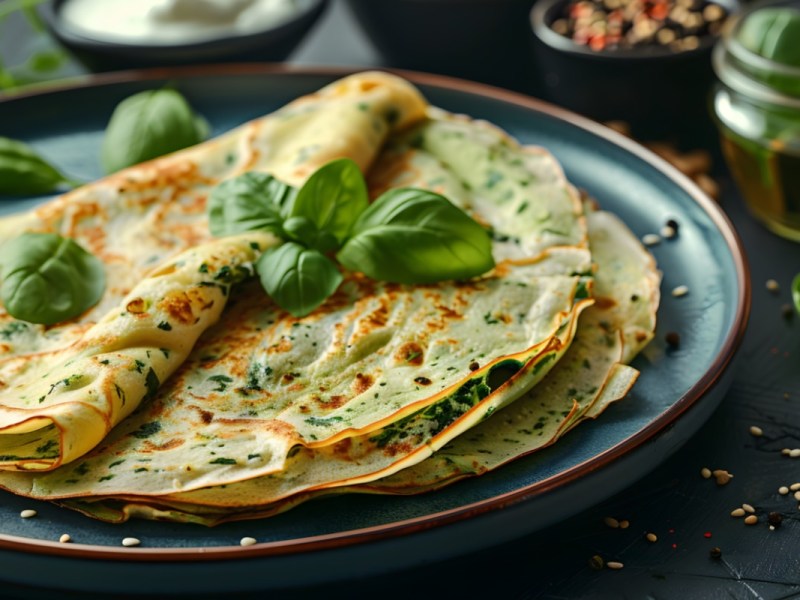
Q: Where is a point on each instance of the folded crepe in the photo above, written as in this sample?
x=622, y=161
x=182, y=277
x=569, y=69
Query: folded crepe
x=247, y=411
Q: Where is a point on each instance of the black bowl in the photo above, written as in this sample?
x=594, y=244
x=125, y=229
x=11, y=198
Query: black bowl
x=271, y=44
x=658, y=92
x=483, y=40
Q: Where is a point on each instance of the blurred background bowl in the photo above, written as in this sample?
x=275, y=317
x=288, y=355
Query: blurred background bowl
x=273, y=43
x=482, y=40
x=661, y=93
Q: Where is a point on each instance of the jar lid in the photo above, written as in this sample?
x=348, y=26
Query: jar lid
x=759, y=55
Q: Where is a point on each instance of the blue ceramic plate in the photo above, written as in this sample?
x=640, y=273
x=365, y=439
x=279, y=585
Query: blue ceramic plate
x=354, y=536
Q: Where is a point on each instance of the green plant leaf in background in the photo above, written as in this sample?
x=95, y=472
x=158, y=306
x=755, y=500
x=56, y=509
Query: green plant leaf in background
x=23, y=172
x=148, y=125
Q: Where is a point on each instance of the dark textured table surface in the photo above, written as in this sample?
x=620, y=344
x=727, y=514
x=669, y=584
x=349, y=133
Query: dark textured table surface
x=690, y=515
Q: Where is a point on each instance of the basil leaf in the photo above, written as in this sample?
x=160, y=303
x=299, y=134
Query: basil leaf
x=249, y=202
x=332, y=197
x=298, y=279
x=23, y=172
x=48, y=279
x=416, y=236
x=148, y=125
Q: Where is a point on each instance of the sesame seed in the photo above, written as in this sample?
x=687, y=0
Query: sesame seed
x=613, y=564
x=705, y=473
x=773, y=285
x=247, y=541
x=651, y=239
x=679, y=291
x=737, y=512
x=751, y=520
x=65, y=538
x=651, y=537
x=611, y=522
x=797, y=495
x=783, y=490
x=667, y=232
x=748, y=508
x=28, y=513
x=785, y=451
x=130, y=541
x=794, y=487
x=794, y=452
x=756, y=431
x=624, y=524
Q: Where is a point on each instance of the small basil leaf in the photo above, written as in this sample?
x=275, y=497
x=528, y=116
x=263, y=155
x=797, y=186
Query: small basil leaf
x=297, y=279
x=249, y=202
x=23, y=172
x=301, y=229
x=148, y=125
x=416, y=236
x=48, y=279
x=333, y=197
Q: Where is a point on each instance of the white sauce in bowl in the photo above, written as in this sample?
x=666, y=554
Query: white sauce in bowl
x=167, y=22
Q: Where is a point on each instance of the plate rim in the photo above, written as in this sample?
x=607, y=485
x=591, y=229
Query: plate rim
x=361, y=536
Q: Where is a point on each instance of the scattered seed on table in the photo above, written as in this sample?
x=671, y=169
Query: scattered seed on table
x=672, y=223
x=130, y=541
x=65, y=538
x=611, y=522
x=773, y=286
x=794, y=452
x=597, y=562
x=28, y=513
x=651, y=239
x=624, y=524
x=785, y=451
x=679, y=291
x=794, y=487
x=797, y=495
x=673, y=339
x=668, y=232
x=721, y=476
x=748, y=508
x=783, y=490
x=751, y=520
x=775, y=519
x=247, y=541
x=705, y=473
x=715, y=553
x=756, y=431
x=651, y=537
x=613, y=564
x=737, y=512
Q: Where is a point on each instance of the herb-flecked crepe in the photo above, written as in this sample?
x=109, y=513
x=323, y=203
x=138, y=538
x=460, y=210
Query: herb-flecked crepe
x=187, y=394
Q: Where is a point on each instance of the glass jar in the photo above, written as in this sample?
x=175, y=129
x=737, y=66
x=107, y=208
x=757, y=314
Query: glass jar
x=756, y=105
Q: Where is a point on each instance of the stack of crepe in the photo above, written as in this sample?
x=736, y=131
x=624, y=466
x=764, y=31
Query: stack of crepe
x=186, y=394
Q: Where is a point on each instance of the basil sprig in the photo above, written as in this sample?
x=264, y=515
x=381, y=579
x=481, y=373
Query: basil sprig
x=24, y=173
x=47, y=278
x=407, y=235
x=148, y=125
